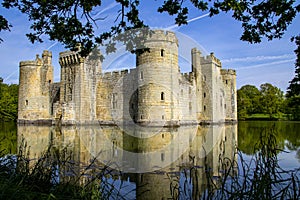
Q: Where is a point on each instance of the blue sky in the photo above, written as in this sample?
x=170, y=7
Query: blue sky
x=269, y=61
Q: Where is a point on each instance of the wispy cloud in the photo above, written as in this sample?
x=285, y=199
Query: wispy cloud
x=109, y=7
x=188, y=21
x=267, y=64
x=258, y=58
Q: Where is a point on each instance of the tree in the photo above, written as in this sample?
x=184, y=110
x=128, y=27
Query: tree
x=294, y=87
x=271, y=99
x=70, y=21
x=8, y=102
x=293, y=91
x=248, y=98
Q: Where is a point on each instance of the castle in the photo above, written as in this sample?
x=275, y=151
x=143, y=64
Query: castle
x=155, y=93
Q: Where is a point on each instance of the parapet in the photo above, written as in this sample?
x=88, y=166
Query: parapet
x=69, y=58
x=189, y=76
x=32, y=63
x=211, y=58
x=161, y=35
x=228, y=72
x=115, y=74
x=47, y=57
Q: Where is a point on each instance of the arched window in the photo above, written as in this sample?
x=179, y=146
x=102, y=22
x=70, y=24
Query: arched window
x=162, y=52
x=162, y=96
x=142, y=75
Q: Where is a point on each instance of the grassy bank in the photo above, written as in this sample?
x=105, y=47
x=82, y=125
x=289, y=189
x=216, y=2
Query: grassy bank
x=267, y=117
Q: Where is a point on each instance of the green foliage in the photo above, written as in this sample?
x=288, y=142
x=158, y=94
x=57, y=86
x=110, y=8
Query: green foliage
x=8, y=138
x=269, y=100
x=294, y=87
x=248, y=101
x=294, y=107
x=8, y=102
x=24, y=178
x=71, y=21
x=293, y=91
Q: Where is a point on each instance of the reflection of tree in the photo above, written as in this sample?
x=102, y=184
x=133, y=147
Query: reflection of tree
x=285, y=132
x=8, y=138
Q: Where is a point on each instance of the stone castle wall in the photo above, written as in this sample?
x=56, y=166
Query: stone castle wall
x=155, y=93
x=36, y=78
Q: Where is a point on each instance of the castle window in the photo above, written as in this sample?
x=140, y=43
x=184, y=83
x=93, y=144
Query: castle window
x=226, y=82
x=163, y=135
x=190, y=90
x=26, y=102
x=162, y=156
x=162, y=96
x=141, y=116
x=49, y=81
x=204, y=108
x=225, y=106
x=162, y=52
x=114, y=100
x=162, y=117
x=204, y=94
x=204, y=78
x=142, y=75
x=190, y=106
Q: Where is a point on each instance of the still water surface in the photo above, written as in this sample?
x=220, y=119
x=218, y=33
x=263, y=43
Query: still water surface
x=153, y=160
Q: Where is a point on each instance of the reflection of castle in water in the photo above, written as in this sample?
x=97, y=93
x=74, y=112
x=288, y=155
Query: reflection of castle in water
x=151, y=164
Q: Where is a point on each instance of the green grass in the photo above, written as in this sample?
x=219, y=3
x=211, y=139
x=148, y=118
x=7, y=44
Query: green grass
x=262, y=116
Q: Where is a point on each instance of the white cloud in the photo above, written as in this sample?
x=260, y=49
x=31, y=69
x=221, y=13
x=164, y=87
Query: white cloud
x=267, y=64
x=188, y=21
x=258, y=58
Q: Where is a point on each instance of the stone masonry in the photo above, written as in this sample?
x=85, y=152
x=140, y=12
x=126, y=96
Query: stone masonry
x=155, y=93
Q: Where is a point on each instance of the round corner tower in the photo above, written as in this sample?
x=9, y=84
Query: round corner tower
x=34, y=88
x=157, y=74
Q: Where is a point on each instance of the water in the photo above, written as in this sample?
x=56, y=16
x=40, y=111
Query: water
x=152, y=163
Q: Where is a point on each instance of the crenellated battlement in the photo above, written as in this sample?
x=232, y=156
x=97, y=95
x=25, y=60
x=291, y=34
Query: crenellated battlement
x=116, y=74
x=161, y=35
x=211, y=59
x=32, y=63
x=228, y=72
x=189, y=76
x=69, y=58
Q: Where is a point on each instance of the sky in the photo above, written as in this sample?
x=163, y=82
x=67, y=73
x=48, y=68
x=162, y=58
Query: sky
x=255, y=64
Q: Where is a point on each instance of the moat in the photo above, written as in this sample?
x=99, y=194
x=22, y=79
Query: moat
x=146, y=163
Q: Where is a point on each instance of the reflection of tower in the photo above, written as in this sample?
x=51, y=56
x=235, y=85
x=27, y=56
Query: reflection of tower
x=156, y=186
x=34, y=95
x=157, y=68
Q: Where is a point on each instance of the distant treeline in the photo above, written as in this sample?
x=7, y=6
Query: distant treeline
x=268, y=101
x=8, y=101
